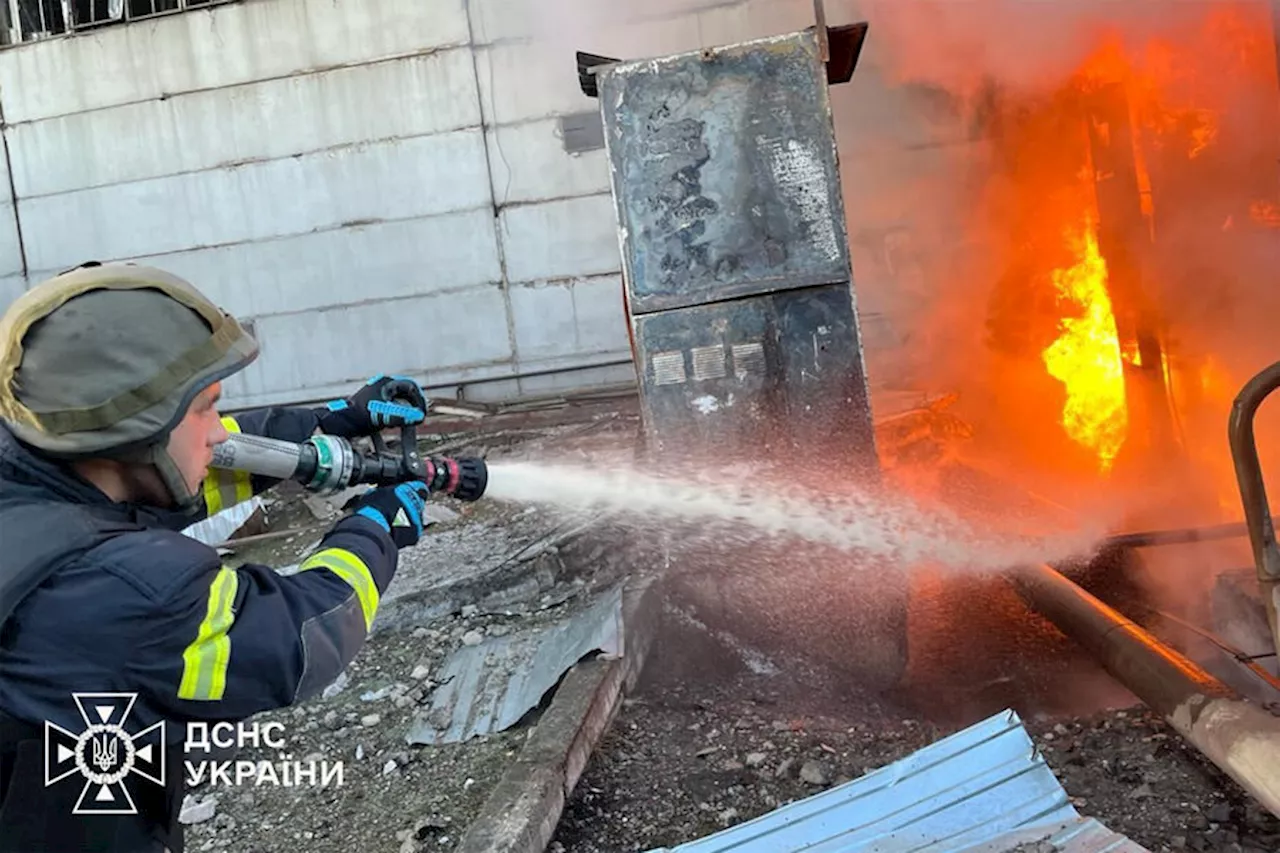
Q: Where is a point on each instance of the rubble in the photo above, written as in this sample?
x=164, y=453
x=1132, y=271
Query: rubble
x=197, y=811
x=646, y=789
x=685, y=756
x=461, y=586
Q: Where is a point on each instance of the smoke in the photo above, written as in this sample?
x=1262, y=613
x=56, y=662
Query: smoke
x=1025, y=44
x=991, y=81
x=951, y=150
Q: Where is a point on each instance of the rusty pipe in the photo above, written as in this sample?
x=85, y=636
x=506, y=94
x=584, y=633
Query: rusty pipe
x=1238, y=736
x=1253, y=492
x=1176, y=536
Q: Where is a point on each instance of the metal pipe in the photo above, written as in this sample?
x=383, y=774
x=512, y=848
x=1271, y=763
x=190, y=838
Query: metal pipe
x=1238, y=736
x=1253, y=492
x=1176, y=536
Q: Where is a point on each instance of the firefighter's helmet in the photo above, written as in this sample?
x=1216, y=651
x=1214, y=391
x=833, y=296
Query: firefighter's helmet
x=104, y=360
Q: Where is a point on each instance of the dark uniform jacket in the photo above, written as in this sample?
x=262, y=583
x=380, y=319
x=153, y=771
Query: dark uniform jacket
x=98, y=597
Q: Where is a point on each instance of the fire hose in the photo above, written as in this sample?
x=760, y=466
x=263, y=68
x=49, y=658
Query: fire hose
x=327, y=464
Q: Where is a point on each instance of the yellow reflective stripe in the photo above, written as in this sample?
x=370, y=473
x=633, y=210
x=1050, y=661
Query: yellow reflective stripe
x=351, y=569
x=204, y=662
x=224, y=488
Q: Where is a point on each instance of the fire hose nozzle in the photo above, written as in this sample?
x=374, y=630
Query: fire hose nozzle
x=464, y=479
x=326, y=464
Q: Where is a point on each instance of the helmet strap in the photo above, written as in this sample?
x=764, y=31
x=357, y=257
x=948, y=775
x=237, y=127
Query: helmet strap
x=185, y=501
x=157, y=455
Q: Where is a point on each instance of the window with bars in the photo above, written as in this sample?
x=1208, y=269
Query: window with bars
x=31, y=20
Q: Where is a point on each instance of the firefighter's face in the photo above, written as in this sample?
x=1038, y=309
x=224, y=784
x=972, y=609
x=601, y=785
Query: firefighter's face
x=191, y=443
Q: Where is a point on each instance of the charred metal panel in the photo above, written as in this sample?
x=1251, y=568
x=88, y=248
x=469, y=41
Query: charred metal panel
x=735, y=251
x=779, y=371
x=724, y=166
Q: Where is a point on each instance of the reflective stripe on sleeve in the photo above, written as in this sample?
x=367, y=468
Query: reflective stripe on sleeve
x=204, y=662
x=353, y=570
x=222, y=488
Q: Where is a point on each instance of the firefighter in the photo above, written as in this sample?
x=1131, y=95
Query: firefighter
x=110, y=377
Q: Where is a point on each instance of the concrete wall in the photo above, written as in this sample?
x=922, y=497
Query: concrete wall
x=375, y=186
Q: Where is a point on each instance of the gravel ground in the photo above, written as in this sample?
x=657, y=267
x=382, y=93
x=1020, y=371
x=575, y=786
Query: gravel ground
x=464, y=581
x=711, y=738
x=393, y=796
x=686, y=761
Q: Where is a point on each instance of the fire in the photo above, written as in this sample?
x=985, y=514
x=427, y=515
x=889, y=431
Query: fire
x=1086, y=357
x=1112, y=215
x=1265, y=213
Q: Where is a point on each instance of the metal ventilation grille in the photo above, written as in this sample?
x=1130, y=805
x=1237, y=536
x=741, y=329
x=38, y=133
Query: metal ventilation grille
x=708, y=363
x=748, y=359
x=668, y=368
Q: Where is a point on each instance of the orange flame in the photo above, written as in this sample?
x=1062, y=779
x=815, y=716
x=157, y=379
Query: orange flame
x=1265, y=213
x=1086, y=357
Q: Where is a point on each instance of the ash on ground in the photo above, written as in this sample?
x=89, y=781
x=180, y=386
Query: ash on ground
x=683, y=761
x=716, y=736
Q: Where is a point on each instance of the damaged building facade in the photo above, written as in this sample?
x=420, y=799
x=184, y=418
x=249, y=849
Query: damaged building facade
x=418, y=187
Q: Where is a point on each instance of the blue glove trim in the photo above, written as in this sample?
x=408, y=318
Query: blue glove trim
x=371, y=513
x=413, y=502
x=386, y=414
x=337, y=405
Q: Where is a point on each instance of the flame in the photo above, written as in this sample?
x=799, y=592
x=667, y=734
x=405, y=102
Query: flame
x=1086, y=357
x=1265, y=213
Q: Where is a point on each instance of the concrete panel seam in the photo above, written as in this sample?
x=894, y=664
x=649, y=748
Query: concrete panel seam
x=356, y=303
x=438, y=383
x=499, y=244
x=13, y=193
x=326, y=391
x=567, y=280
x=642, y=19
x=232, y=165
x=578, y=361
x=354, y=223
x=307, y=72
x=517, y=205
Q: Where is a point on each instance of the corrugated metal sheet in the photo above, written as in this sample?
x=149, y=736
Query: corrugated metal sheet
x=983, y=786
x=1082, y=835
x=489, y=687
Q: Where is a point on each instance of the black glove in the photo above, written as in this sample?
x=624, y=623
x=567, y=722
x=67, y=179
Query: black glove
x=371, y=408
x=396, y=509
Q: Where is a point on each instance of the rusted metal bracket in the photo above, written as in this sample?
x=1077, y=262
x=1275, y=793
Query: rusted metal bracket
x=820, y=20
x=1240, y=737
x=838, y=47
x=1253, y=492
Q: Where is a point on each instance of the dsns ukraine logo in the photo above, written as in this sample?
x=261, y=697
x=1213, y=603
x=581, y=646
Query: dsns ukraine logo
x=104, y=753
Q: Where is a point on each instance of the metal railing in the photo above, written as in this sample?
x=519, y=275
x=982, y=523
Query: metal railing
x=35, y=20
x=1253, y=493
